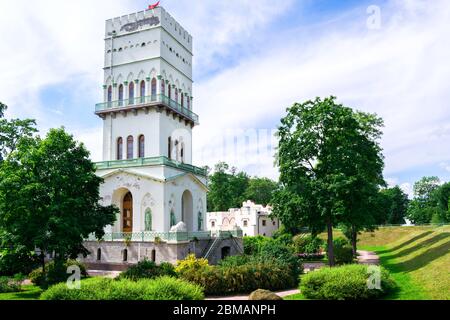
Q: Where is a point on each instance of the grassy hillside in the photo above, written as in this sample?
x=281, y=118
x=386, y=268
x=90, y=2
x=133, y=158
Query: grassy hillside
x=417, y=257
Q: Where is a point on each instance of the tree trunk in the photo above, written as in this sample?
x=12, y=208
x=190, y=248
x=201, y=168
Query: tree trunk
x=354, y=241
x=43, y=262
x=330, y=243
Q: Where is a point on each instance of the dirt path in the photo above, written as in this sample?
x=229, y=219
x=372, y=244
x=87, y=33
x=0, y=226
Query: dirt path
x=282, y=294
x=367, y=257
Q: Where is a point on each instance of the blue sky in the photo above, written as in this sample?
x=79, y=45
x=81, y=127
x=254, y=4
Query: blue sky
x=252, y=60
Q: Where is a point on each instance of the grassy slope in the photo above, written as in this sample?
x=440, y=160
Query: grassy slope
x=29, y=292
x=417, y=257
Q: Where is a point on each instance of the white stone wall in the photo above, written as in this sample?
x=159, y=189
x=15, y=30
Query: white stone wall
x=253, y=219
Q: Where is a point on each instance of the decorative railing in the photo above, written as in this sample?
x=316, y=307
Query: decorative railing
x=166, y=236
x=154, y=161
x=148, y=100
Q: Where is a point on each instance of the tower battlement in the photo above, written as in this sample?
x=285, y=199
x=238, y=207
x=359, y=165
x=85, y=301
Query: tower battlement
x=148, y=19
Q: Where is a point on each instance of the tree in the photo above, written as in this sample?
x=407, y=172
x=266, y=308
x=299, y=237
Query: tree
x=260, y=190
x=395, y=206
x=227, y=188
x=424, y=205
x=49, y=196
x=330, y=163
x=11, y=131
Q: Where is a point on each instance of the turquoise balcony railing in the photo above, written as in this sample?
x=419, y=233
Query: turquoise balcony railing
x=148, y=100
x=155, y=161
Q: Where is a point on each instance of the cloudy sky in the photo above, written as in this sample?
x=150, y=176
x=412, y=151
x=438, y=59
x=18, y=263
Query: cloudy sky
x=252, y=60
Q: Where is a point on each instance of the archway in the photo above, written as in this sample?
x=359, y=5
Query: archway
x=187, y=214
x=127, y=213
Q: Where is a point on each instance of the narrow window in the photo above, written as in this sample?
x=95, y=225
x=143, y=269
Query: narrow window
x=188, y=100
x=264, y=223
x=130, y=147
x=182, y=99
x=120, y=95
x=169, y=95
x=213, y=224
x=142, y=91
x=176, y=95
x=131, y=93
x=119, y=149
x=169, y=148
x=99, y=254
x=182, y=152
x=245, y=223
x=154, y=255
x=163, y=87
x=153, y=88
x=109, y=98
x=125, y=255
x=141, y=146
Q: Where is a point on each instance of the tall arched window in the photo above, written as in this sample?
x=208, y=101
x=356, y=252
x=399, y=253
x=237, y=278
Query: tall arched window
x=109, y=94
x=131, y=93
x=141, y=146
x=153, y=88
x=130, y=147
x=163, y=87
x=148, y=220
x=182, y=99
x=169, y=93
x=169, y=148
x=119, y=148
x=142, y=91
x=188, y=100
x=173, y=220
x=176, y=95
x=121, y=95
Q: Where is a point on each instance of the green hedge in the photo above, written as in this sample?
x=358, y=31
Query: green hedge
x=349, y=282
x=8, y=284
x=148, y=270
x=164, y=288
x=55, y=273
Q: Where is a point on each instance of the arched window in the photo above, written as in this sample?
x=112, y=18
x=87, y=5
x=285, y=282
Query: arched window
x=153, y=88
x=130, y=147
x=142, y=91
x=182, y=99
x=200, y=221
x=131, y=93
x=109, y=95
x=99, y=254
x=148, y=220
x=121, y=95
x=173, y=220
x=176, y=95
x=141, y=146
x=188, y=100
x=119, y=148
x=169, y=94
x=163, y=87
x=169, y=148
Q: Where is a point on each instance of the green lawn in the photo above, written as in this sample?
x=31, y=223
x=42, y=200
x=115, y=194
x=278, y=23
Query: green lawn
x=418, y=258
x=29, y=292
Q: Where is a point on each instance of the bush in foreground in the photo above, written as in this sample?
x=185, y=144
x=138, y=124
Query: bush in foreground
x=164, y=288
x=8, y=284
x=348, y=282
x=55, y=273
x=148, y=270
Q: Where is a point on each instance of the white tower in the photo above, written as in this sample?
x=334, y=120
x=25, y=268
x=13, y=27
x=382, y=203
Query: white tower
x=147, y=125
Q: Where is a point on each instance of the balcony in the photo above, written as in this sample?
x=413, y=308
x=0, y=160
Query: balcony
x=154, y=161
x=158, y=100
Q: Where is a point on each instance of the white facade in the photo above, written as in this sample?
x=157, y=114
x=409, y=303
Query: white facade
x=253, y=219
x=147, y=126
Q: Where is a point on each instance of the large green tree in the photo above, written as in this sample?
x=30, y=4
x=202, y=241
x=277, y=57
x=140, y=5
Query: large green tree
x=395, y=206
x=11, y=131
x=424, y=205
x=260, y=190
x=49, y=196
x=330, y=164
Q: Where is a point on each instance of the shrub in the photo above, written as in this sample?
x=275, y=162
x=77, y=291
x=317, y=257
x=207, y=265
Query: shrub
x=8, y=284
x=284, y=238
x=18, y=261
x=148, y=270
x=348, y=282
x=191, y=263
x=273, y=250
x=234, y=261
x=343, y=252
x=55, y=272
x=163, y=288
x=307, y=244
x=252, y=245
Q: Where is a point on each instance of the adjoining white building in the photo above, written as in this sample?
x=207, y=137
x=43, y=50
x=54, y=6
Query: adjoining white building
x=148, y=118
x=253, y=219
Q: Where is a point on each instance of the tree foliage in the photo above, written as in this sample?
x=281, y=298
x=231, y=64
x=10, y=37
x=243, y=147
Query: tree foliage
x=330, y=167
x=49, y=196
x=260, y=190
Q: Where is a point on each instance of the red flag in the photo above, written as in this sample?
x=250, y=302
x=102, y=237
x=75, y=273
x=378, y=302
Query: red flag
x=153, y=6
